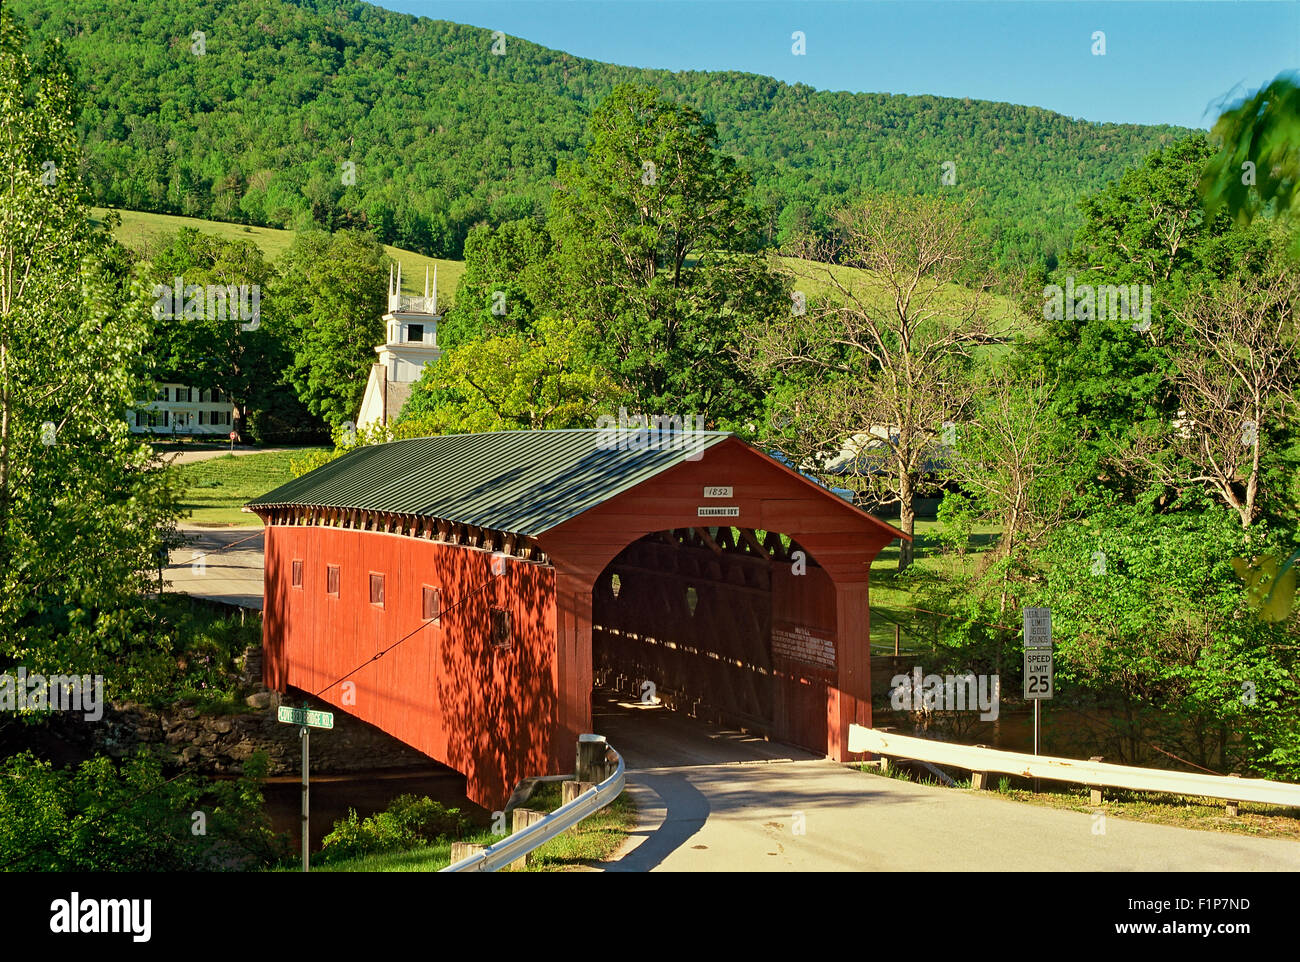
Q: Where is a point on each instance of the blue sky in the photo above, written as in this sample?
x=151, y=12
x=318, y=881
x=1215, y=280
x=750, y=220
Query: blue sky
x=1168, y=61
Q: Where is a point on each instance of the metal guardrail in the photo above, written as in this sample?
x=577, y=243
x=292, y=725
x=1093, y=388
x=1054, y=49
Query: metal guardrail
x=512, y=847
x=1093, y=774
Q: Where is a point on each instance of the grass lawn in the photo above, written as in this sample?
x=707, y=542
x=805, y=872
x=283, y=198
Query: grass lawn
x=138, y=228
x=422, y=858
x=1264, y=821
x=889, y=604
x=594, y=839
x=811, y=278
x=216, y=489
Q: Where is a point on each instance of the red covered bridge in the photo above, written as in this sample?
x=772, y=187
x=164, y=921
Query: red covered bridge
x=496, y=573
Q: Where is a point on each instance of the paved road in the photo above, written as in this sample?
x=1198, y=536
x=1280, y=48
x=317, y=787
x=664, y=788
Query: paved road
x=712, y=800
x=208, y=567
x=189, y=457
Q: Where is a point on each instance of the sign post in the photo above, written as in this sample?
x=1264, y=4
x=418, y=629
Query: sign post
x=1038, y=661
x=306, y=720
x=305, y=734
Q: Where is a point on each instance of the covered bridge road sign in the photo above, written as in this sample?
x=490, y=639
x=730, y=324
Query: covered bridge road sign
x=468, y=587
x=305, y=716
x=308, y=719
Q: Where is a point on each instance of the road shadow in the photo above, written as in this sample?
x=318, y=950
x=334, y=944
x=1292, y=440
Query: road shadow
x=684, y=811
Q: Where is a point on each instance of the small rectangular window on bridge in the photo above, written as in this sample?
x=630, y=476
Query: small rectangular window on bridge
x=332, y=580
x=502, y=636
x=377, y=590
x=432, y=605
x=297, y=574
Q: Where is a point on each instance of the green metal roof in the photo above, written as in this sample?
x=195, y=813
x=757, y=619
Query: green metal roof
x=524, y=482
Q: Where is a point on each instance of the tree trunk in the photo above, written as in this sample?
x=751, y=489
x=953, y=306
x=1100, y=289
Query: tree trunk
x=906, y=518
x=1009, y=536
x=5, y=426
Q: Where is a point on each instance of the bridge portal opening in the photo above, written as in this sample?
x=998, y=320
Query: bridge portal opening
x=732, y=625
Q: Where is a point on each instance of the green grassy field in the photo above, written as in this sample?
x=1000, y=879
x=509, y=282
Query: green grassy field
x=216, y=489
x=138, y=229
x=811, y=278
x=593, y=840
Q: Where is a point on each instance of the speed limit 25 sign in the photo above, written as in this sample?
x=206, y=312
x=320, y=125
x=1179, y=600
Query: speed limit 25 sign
x=1038, y=673
x=1038, y=654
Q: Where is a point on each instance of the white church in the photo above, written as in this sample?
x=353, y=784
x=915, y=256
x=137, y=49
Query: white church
x=412, y=341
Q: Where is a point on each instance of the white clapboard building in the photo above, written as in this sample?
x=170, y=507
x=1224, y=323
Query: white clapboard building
x=182, y=409
x=412, y=342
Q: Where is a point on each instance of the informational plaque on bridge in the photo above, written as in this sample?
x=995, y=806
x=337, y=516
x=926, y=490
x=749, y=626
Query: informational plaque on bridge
x=799, y=643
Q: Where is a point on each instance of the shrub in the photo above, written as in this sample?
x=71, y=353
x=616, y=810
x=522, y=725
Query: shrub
x=185, y=653
x=106, y=817
x=426, y=818
x=408, y=822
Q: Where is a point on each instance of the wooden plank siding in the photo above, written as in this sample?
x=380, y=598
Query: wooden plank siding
x=805, y=602
x=446, y=690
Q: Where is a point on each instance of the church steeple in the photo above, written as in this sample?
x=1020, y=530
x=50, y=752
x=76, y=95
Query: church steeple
x=411, y=341
x=400, y=304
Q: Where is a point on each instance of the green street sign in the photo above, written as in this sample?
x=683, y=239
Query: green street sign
x=302, y=716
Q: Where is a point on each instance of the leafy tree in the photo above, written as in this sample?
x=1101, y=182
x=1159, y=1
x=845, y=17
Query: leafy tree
x=1152, y=620
x=162, y=125
x=1269, y=588
x=1147, y=228
x=99, y=817
x=207, y=342
x=880, y=361
x=1258, y=165
x=650, y=230
x=1235, y=376
x=332, y=295
x=1012, y=462
x=509, y=277
x=84, y=507
x=513, y=381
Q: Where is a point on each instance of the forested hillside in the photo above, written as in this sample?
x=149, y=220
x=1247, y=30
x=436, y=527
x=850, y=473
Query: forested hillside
x=255, y=121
